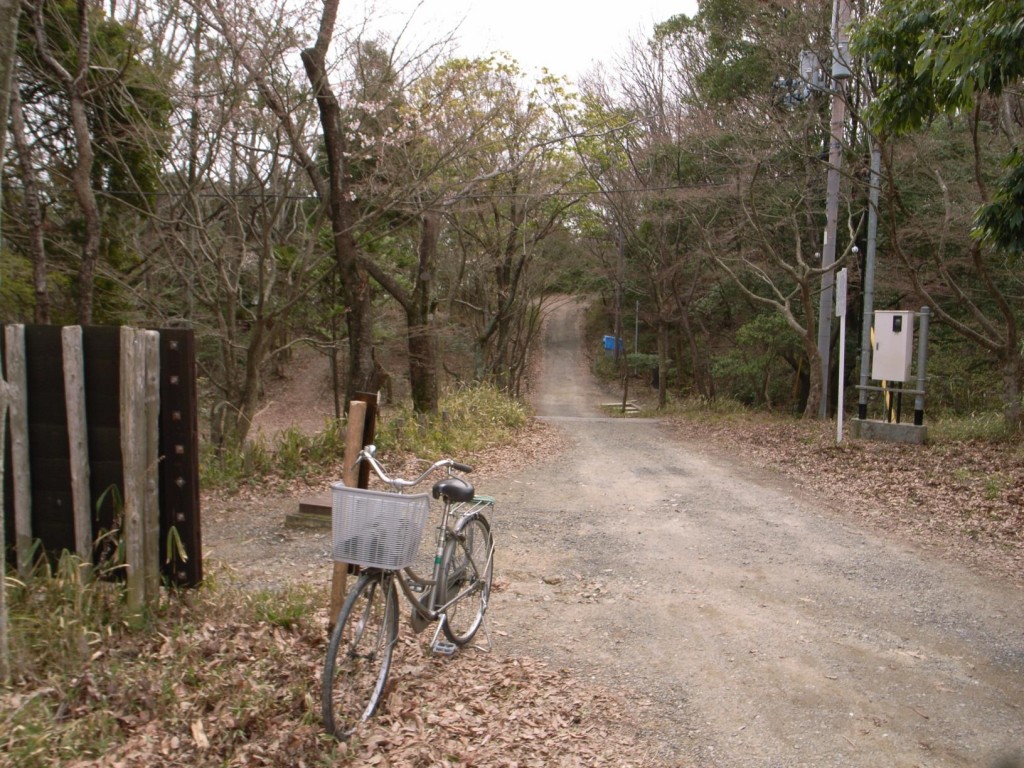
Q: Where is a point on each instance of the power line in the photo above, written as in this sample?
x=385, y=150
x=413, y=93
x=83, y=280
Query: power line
x=473, y=195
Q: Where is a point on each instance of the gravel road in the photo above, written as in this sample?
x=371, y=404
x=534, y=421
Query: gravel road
x=747, y=624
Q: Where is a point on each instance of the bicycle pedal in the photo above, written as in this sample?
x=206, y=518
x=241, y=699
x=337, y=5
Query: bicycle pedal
x=444, y=648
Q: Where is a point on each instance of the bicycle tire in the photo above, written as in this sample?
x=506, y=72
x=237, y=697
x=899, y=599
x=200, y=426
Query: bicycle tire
x=359, y=653
x=467, y=563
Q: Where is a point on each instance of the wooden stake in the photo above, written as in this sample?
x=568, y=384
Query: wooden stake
x=133, y=460
x=5, y=653
x=150, y=479
x=78, y=438
x=17, y=405
x=350, y=476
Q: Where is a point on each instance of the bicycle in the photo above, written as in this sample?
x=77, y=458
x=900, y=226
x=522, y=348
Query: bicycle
x=380, y=532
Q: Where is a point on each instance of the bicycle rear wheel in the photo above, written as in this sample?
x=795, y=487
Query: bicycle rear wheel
x=467, y=565
x=359, y=654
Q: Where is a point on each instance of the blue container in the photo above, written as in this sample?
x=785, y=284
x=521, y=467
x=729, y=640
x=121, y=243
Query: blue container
x=609, y=343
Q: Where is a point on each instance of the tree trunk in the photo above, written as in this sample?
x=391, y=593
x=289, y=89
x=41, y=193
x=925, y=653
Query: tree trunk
x=420, y=335
x=259, y=340
x=355, y=283
x=663, y=347
x=422, y=362
x=813, y=403
x=1013, y=383
x=76, y=86
x=33, y=210
x=9, y=11
x=696, y=363
x=81, y=179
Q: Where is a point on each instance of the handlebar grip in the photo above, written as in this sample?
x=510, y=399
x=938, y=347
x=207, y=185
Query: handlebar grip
x=461, y=467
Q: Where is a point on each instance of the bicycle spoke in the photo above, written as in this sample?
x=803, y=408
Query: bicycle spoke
x=467, y=568
x=359, y=655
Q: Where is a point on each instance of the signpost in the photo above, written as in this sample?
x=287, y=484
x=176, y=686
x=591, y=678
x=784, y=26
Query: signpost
x=841, y=314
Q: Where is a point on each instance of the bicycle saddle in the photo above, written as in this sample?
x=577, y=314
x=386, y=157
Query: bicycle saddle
x=453, y=489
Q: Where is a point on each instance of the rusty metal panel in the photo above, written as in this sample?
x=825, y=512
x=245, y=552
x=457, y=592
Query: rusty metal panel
x=179, y=457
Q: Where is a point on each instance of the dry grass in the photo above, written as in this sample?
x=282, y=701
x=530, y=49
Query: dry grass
x=228, y=677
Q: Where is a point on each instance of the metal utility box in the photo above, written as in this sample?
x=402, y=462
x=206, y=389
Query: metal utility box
x=894, y=346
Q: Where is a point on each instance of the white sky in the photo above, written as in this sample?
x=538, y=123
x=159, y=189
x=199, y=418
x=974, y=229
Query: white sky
x=566, y=36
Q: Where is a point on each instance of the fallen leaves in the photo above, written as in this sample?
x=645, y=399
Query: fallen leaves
x=213, y=684
x=480, y=710
x=965, y=497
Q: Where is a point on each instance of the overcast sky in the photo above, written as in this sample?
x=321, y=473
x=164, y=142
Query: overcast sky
x=566, y=36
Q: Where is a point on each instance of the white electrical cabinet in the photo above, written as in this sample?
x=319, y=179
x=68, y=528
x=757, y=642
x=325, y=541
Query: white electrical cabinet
x=894, y=346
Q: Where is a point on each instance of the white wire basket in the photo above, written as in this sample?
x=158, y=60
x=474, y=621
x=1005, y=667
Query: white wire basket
x=375, y=529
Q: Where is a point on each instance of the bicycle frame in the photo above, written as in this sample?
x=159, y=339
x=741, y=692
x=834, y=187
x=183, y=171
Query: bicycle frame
x=426, y=603
x=359, y=653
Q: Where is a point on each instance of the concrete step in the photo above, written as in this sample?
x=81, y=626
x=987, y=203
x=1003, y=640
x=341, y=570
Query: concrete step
x=312, y=513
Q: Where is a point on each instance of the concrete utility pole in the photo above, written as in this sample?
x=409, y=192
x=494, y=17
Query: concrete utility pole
x=840, y=73
x=869, y=280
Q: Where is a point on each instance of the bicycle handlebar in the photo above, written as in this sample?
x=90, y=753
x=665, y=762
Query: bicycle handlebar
x=367, y=454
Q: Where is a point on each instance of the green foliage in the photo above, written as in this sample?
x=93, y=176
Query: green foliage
x=985, y=426
x=606, y=368
x=940, y=56
x=640, y=363
x=960, y=376
x=128, y=110
x=758, y=369
x=469, y=420
x=286, y=609
x=1001, y=221
x=129, y=115
x=718, y=408
x=733, y=45
x=230, y=466
x=16, y=292
x=294, y=454
x=61, y=612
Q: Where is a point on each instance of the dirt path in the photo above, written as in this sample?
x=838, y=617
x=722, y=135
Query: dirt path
x=749, y=625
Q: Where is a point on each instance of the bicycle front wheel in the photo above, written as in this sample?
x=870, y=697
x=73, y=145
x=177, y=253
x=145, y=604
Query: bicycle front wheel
x=467, y=565
x=359, y=654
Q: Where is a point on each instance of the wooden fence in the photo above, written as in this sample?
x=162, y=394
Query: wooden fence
x=102, y=436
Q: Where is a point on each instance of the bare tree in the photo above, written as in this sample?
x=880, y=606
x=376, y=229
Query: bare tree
x=9, y=12
x=505, y=142
x=233, y=247
x=75, y=84
x=33, y=209
x=355, y=281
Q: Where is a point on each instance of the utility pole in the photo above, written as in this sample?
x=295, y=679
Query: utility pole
x=840, y=73
x=869, y=280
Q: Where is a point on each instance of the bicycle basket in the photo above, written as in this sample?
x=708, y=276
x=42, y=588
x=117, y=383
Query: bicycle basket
x=376, y=529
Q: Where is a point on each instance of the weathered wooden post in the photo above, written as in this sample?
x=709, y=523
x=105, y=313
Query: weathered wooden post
x=349, y=476
x=151, y=484
x=139, y=386
x=78, y=438
x=17, y=405
x=5, y=653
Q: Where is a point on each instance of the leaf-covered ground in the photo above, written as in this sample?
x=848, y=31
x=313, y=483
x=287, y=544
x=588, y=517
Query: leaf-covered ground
x=963, y=498
x=230, y=677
